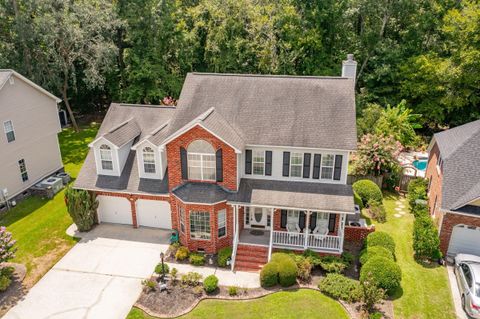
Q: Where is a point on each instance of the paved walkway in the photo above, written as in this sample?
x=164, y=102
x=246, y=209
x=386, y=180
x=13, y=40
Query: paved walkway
x=400, y=208
x=457, y=301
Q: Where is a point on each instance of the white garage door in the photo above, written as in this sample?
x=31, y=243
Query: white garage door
x=465, y=239
x=114, y=210
x=154, y=213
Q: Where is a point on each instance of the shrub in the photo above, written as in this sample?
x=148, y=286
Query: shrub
x=377, y=211
x=382, y=239
x=376, y=315
x=347, y=258
x=158, y=269
x=312, y=256
x=197, y=259
x=287, y=273
x=368, y=191
x=417, y=189
x=150, y=285
x=233, y=290
x=420, y=210
x=210, y=284
x=304, y=269
x=174, y=274
x=269, y=275
x=357, y=200
x=385, y=272
x=374, y=251
x=426, y=243
x=191, y=278
x=340, y=287
x=182, y=253
x=7, y=251
x=223, y=255
x=82, y=207
x=333, y=264
x=197, y=291
x=371, y=293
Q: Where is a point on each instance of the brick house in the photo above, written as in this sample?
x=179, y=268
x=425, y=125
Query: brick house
x=256, y=162
x=454, y=188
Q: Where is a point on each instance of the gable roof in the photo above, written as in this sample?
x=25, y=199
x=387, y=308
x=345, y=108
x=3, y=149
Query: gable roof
x=299, y=111
x=123, y=133
x=5, y=75
x=459, y=149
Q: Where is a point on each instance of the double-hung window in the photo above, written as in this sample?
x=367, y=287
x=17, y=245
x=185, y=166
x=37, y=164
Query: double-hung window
x=327, y=166
x=222, y=223
x=200, y=225
x=148, y=160
x=296, y=164
x=201, y=161
x=23, y=170
x=182, y=219
x=106, y=157
x=9, y=132
x=258, y=162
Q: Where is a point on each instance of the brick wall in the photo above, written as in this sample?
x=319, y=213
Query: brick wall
x=196, y=133
x=357, y=234
x=448, y=222
x=435, y=181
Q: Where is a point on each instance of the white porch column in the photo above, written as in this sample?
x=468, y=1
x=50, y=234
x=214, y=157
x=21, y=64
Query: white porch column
x=342, y=230
x=272, y=223
x=235, y=236
x=307, y=229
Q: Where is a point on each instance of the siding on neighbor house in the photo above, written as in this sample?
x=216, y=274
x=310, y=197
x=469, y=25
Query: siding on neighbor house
x=36, y=124
x=435, y=182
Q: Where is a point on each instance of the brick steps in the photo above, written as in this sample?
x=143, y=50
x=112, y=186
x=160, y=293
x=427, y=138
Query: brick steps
x=251, y=258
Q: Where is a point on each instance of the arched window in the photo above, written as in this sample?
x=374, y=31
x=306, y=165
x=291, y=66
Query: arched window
x=106, y=157
x=148, y=160
x=201, y=161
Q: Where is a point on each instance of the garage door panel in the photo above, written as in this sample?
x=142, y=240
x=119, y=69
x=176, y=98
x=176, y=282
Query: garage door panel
x=154, y=213
x=465, y=239
x=114, y=210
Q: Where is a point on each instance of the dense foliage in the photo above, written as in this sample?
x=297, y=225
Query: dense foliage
x=417, y=189
x=82, y=207
x=368, y=191
x=90, y=52
x=223, y=255
x=340, y=287
x=210, y=284
x=385, y=272
x=381, y=239
x=373, y=251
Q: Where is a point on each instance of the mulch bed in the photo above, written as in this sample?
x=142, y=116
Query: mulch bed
x=15, y=291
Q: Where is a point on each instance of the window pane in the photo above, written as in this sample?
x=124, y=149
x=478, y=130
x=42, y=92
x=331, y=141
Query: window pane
x=258, y=168
x=10, y=136
x=209, y=174
x=107, y=165
x=149, y=168
x=182, y=219
x=327, y=172
x=327, y=160
x=296, y=171
x=200, y=225
x=194, y=172
x=222, y=223
x=296, y=158
x=23, y=170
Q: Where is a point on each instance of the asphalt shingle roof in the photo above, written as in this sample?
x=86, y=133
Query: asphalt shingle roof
x=124, y=133
x=205, y=193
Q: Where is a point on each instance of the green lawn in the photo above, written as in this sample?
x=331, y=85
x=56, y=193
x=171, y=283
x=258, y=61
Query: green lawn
x=38, y=225
x=425, y=290
x=303, y=303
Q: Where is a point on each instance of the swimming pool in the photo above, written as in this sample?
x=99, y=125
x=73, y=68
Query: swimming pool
x=420, y=164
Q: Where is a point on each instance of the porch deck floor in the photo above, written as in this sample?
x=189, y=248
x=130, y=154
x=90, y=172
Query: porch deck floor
x=247, y=238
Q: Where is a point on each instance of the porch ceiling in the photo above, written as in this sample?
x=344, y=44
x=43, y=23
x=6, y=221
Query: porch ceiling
x=300, y=195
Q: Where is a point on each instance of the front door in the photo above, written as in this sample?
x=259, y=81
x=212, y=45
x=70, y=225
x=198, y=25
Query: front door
x=257, y=217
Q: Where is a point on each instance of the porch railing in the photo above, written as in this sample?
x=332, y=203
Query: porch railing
x=297, y=240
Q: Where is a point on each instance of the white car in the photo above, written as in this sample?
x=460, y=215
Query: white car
x=467, y=271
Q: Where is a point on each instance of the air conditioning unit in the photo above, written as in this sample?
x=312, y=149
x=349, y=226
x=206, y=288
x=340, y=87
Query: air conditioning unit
x=54, y=182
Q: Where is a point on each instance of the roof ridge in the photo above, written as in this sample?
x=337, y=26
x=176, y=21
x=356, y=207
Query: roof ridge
x=158, y=106
x=273, y=76
x=119, y=126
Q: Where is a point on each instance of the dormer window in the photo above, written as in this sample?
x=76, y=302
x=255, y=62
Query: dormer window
x=201, y=161
x=148, y=160
x=106, y=157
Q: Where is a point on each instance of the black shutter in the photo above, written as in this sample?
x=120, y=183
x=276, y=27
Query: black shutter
x=332, y=219
x=338, y=167
x=286, y=164
x=283, y=218
x=301, y=220
x=219, y=164
x=248, y=162
x=313, y=220
x=268, y=163
x=316, y=165
x=184, y=163
x=306, y=165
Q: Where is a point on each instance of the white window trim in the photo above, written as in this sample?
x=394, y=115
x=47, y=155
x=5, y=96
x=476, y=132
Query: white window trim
x=258, y=162
x=222, y=211
x=296, y=165
x=106, y=151
x=6, y=132
x=190, y=225
x=154, y=162
x=327, y=166
x=202, y=166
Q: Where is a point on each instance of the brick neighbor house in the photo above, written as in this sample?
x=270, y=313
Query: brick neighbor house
x=454, y=188
x=256, y=162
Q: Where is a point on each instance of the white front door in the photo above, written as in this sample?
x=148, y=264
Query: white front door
x=257, y=217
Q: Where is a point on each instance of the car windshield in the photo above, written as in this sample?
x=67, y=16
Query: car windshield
x=477, y=289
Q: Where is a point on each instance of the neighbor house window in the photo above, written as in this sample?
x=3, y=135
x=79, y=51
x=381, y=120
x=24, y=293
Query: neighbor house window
x=200, y=225
x=327, y=166
x=106, y=157
x=222, y=223
x=9, y=132
x=201, y=161
x=23, y=170
x=296, y=164
x=182, y=219
x=258, y=162
x=148, y=160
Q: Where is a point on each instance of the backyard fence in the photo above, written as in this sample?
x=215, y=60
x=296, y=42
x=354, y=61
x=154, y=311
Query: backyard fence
x=376, y=179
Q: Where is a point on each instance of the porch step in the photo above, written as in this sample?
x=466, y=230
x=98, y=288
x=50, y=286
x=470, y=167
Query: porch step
x=251, y=258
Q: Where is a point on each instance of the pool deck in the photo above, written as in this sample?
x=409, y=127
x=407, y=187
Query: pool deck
x=407, y=158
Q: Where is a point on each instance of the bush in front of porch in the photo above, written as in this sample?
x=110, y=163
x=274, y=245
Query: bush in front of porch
x=281, y=269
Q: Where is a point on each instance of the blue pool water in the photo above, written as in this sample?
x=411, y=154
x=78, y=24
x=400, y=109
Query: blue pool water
x=421, y=165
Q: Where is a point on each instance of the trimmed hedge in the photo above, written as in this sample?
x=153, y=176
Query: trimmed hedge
x=281, y=269
x=357, y=200
x=338, y=286
x=377, y=211
x=223, y=255
x=158, y=268
x=197, y=259
x=386, y=273
x=368, y=191
x=382, y=239
x=182, y=253
x=210, y=284
x=417, y=189
x=269, y=275
x=426, y=243
x=374, y=251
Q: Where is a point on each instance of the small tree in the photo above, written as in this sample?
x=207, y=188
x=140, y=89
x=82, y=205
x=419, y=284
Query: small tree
x=7, y=251
x=371, y=294
x=82, y=207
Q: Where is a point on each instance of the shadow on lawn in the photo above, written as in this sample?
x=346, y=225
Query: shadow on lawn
x=74, y=146
x=23, y=209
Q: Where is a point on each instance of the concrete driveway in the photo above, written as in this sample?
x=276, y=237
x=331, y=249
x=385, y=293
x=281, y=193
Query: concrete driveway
x=457, y=300
x=100, y=277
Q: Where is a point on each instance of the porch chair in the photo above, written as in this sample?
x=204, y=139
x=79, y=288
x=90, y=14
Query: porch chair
x=319, y=233
x=293, y=230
